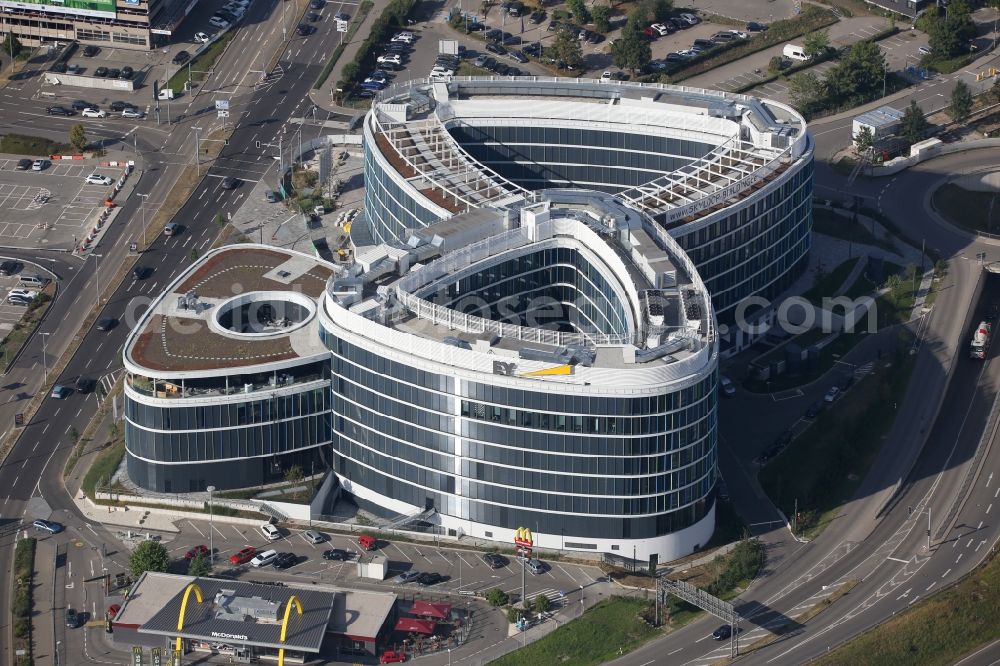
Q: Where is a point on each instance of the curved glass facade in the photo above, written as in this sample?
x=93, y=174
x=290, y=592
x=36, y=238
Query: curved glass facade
x=591, y=466
x=541, y=157
x=175, y=447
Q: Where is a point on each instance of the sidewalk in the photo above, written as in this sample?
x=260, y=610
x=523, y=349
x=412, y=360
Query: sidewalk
x=323, y=97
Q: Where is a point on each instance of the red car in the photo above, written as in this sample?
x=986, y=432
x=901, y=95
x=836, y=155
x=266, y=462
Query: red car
x=195, y=552
x=392, y=657
x=368, y=542
x=113, y=610
x=243, y=556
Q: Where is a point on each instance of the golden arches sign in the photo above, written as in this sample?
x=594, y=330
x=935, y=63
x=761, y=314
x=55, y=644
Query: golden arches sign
x=292, y=600
x=193, y=587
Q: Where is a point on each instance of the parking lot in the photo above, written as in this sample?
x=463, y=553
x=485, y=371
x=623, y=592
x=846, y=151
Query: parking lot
x=9, y=314
x=464, y=571
x=52, y=206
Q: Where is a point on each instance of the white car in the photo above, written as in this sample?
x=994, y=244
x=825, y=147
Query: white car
x=442, y=71
x=94, y=113
x=98, y=179
x=924, y=50
x=606, y=76
x=661, y=29
x=403, y=37
x=263, y=559
x=201, y=37
x=389, y=59
x=832, y=394
x=236, y=10
x=132, y=113
x=39, y=165
x=688, y=53
x=740, y=34
x=219, y=22
x=270, y=532
x=691, y=19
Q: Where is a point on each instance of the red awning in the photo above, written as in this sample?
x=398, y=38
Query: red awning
x=409, y=624
x=427, y=609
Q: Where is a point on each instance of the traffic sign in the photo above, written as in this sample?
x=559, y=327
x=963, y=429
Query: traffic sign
x=222, y=114
x=222, y=105
x=341, y=26
x=19, y=419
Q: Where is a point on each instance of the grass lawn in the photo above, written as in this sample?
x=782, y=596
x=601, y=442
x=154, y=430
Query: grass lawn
x=828, y=357
x=21, y=333
x=823, y=467
x=594, y=638
x=832, y=223
x=829, y=283
x=22, y=144
x=105, y=464
x=968, y=209
x=935, y=631
x=201, y=65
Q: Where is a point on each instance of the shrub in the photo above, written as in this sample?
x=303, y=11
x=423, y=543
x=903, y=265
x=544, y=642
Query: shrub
x=497, y=597
x=514, y=614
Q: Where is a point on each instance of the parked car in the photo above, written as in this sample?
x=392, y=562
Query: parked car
x=94, y=113
x=661, y=29
x=726, y=386
x=924, y=50
x=740, y=34
x=313, y=17
x=493, y=47
x=181, y=57
x=23, y=164
x=201, y=550
x=218, y=22
x=270, y=532
x=690, y=18
x=114, y=73
x=518, y=56
x=58, y=68
x=703, y=44
x=120, y=106
x=201, y=37
x=59, y=391
x=243, y=556
x=101, y=72
x=50, y=526
x=271, y=196
x=389, y=59
x=814, y=409
x=753, y=26
x=480, y=61
x=91, y=51
x=431, y=578
x=342, y=16
x=723, y=37
x=392, y=657
x=9, y=267
x=263, y=559
x=317, y=4
x=368, y=542
x=406, y=577
x=285, y=561
x=495, y=560
x=404, y=37
x=58, y=111
x=133, y=113
x=40, y=165
x=336, y=554
x=832, y=394
x=312, y=536
x=537, y=17
x=535, y=566
x=675, y=57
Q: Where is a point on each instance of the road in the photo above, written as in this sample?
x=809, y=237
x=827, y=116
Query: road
x=33, y=468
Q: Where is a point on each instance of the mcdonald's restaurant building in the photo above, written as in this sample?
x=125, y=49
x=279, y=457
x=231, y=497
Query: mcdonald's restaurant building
x=249, y=622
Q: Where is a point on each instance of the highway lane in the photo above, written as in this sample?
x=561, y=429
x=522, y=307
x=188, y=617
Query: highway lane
x=34, y=466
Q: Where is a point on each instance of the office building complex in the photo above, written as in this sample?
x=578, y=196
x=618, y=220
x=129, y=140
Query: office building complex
x=728, y=176
x=123, y=24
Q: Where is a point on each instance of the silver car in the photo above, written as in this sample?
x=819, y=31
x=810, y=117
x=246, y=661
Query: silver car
x=535, y=565
x=312, y=536
x=406, y=577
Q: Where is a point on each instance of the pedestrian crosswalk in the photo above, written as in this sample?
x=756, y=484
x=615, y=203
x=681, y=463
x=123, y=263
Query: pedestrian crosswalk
x=553, y=595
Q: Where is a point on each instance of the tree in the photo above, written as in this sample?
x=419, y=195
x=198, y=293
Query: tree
x=12, y=45
x=657, y=10
x=579, y=10
x=860, y=74
x=632, y=50
x=542, y=604
x=514, y=614
x=806, y=90
x=148, y=556
x=497, y=597
x=602, y=17
x=77, y=137
x=816, y=43
x=961, y=101
x=949, y=36
x=864, y=139
x=567, y=51
x=350, y=72
x=294, y=474
x=913, y=126
x=775, y=64
x=199, y=566
x=994, y=92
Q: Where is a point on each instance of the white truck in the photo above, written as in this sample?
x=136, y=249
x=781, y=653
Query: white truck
x=981, y=340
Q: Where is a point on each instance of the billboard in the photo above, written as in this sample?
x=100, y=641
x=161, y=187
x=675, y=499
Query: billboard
x=98, y=8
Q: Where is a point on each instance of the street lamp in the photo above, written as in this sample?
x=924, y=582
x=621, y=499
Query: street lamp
x=58, y=643
x=197, y=149
x=142, y=207
x=97, y=275
x=211, y=526
x=45, y=363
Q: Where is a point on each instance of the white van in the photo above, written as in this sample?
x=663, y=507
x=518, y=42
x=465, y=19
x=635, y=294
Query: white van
x=32, y=281
x=270, y=532
x=263, y=559
x=795, y=52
